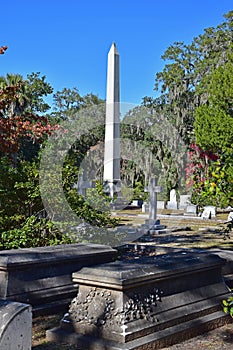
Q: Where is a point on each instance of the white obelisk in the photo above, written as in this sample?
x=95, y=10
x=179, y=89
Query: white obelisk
x=112, y=125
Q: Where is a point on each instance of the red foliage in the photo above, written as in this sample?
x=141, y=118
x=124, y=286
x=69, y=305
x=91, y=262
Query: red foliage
x=14, y=129
x=197, y=168
x=3, y=49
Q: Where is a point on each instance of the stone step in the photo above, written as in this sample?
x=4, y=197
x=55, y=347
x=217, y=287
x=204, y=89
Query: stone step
x=157, y=340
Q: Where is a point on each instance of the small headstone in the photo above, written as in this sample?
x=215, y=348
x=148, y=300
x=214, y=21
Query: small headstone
x=172, y=203
x=191, y=210
x=185, y=200
x=209, y=212
x=160, y=205
x=15, y=325
x=137, y=203
x=230, y=216
x=145, y=208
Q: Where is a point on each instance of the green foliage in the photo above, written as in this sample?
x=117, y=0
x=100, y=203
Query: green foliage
x=214, y=133
x=30, y=93
x=20, y=195
x=217, y=186
x=228, y=306
x=139, y=191
x=184, y=84
x=68, y=102
x=33, y=232
x=214, y=119
x=37, y=88
x=96, y=198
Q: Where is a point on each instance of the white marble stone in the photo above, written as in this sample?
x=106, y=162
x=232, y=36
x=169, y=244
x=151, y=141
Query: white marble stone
x=191, y=209
x=230, y=216
x=161, y=205
x=172, y=203
x=111, y=175
x=145, y=208
x=209, y=212
x=185, y=200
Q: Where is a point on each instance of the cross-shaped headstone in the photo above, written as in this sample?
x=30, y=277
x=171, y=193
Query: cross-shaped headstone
x=83, y=185
x=153, y=189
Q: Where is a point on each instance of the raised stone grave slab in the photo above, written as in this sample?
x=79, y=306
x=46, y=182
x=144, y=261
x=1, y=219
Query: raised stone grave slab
x=15, y=326
x=144, y=303
x=42, y=276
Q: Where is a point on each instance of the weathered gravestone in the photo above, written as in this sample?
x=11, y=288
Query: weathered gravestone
x=230, y=216
x=15, y=326
x=42, y=276
x=144, y=304
x=185, y=200
x=172, y=203
x=209, y=212
x=161, y=205
x=145, y=207
x=191, y=210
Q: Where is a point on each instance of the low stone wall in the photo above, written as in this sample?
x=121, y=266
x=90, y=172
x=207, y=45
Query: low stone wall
x=42, y=276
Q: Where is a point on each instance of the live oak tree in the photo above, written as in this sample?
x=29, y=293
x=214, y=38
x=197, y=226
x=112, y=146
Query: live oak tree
x=178, y=85
x=68, y=101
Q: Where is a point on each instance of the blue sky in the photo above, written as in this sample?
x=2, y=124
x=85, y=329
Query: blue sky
x=68, y=41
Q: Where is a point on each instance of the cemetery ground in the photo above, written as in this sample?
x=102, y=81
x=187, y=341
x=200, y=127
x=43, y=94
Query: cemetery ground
x=188, y=233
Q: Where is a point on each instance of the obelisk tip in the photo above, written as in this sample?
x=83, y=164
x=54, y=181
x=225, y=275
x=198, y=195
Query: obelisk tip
x=114, y=49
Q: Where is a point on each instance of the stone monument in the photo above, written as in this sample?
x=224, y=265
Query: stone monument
x=111, y=175
x=144, y=304
x=209, y=212
x=152, y=223
x=185, y=200
x=172, y=203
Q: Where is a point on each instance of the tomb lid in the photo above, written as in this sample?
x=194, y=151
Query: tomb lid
x=45, y=255
x=122, y=274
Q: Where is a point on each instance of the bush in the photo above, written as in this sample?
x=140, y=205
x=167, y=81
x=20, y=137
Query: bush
x=34, y=232
x=228, y=306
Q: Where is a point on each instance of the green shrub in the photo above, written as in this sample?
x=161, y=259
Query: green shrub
x=228, y=306
x=34, y=232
